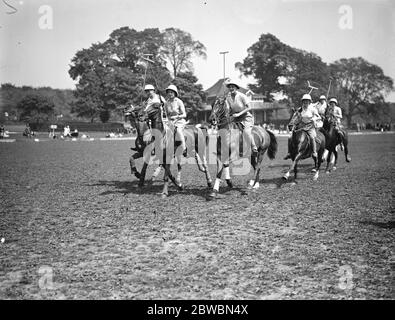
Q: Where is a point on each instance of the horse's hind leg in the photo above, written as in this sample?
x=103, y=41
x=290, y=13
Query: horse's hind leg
x=228, y=180
x=257, y=169
x=142, y=175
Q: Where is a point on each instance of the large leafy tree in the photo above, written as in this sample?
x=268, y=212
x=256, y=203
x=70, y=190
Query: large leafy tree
x=179, y=48
x=360, y=86
x=110, y=74
x=279, y=68
x=35, y=108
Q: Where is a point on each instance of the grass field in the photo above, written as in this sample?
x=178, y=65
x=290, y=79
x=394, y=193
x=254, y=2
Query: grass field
x=75, y=225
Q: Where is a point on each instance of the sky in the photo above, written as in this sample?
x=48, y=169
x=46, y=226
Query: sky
x=39, y=38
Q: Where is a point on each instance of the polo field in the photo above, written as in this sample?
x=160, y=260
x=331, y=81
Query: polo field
x=74, y=224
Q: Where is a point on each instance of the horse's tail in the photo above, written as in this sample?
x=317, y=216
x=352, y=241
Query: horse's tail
x=271, y=152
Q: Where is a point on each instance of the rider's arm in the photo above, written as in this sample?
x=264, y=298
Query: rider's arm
x=247, y=108
x=338, y=113
x=182, y=114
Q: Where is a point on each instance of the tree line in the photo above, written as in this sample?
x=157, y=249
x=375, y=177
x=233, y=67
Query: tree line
x=279, y=69
x=111, y=74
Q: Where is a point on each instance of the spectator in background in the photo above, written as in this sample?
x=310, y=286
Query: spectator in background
x=66, y=131
x=2, y=130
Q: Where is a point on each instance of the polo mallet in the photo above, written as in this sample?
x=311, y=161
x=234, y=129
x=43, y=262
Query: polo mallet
x=311, y=87
x=329, y=88
x=145, y=57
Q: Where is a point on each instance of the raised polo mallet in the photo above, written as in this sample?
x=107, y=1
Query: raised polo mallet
x=311, y=87
x=329, y=88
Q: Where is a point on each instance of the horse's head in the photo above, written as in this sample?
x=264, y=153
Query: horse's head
x=329, y=123
x=219, y=113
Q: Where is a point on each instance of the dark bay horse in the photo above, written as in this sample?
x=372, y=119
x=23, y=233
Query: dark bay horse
x=334, y=139
x=158, y=138
x=300, y=148
x=229, y=144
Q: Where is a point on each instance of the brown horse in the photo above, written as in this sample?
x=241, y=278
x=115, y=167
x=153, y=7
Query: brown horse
x=156, y=137
x=333, y=139
x=229, y=143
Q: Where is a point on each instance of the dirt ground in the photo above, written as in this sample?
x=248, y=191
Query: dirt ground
x=75, y=225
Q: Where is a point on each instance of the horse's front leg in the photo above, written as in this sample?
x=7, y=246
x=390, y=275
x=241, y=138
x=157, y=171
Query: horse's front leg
x=132, y=163
x=156, y=173
x=345, y=143
x=178, y=177
x=335, y=160
x=319, y=161
x=215, y=191
x=293, y=167
x=165, y=191
x=202, y=165
x=328, y=162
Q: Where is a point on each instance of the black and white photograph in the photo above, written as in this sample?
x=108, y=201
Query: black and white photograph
x=215, y=152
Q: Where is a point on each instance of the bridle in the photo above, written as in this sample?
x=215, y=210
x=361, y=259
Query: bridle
x=220, y=113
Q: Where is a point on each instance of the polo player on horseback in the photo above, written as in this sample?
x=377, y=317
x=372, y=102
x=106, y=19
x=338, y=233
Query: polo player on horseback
x=238, y=105
x=175, y=111
x=306, y=118
x=153, y=102
x=321, y=107
x=334, y=114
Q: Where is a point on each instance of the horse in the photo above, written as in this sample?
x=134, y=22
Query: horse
x=228, y=143
x=300, y=148
x=161, y=135
x=333, y=140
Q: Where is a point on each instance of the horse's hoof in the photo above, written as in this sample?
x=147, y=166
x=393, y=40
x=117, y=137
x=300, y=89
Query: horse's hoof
x=348, y=159
x=334, y=168
x=314, y=170
x=212, y=195
x=315, y=178
x=180, y=187
x=209, y=185
x=327, y=171
x=256, y=186
x=164, y=195
x=285, y=178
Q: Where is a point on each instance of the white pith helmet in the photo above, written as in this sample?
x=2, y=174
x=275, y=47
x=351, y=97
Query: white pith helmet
x=149, y=87
x=172, y=87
